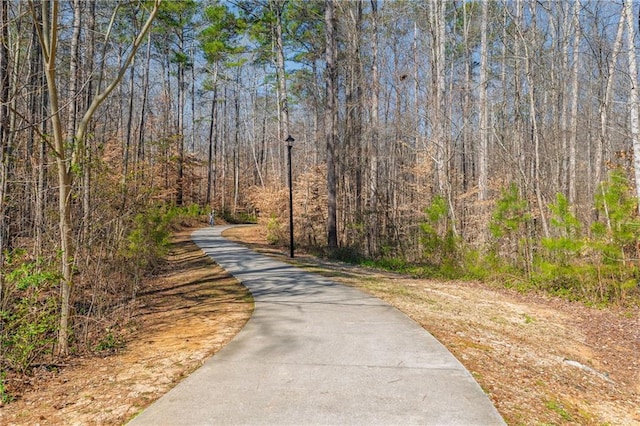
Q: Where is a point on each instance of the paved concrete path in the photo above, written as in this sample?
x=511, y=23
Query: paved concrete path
x=318, y=352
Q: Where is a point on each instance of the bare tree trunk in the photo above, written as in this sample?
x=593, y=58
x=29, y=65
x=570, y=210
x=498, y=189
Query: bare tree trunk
x=331, y=119
x=442, y=148
x=265, y=151
x=535, y=131
x=374, y=228
x=605, y=103
x=518, y=131
x=41, y=188
x=416, y=85
x=277, y=7
x=193, y=100
x=166, y=129
x=256, y=143
x=353, y=124
x=633, y=95
x=466, y=160
x=180, y=135
x=236, y=144
x=49, y=40
x=574, y=106
x=129, y=131
x=483, y=151
x=563, y=172
x=74, y=71
x=140, y=156
x=87, y=169
x=213, y=135
x=4, y=135
x=39, y=103
x=223, y=151
x=48, y=36
x=439, y=108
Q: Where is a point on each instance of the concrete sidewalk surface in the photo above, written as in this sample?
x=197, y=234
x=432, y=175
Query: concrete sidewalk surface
x=319, y=353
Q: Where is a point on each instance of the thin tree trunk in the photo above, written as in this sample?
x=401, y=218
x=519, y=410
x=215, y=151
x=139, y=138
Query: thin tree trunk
x=564, y=126
x=439, y=104
x=574, y=107
x=519, y=102
x=264, y=150
x=374, y=229
x=48, y=36
x=213, y=131
x=416, y=86
x=605, y=104
x=633, y=95
x=87, y=169
x=140, y=156
x=283, y=106
x=166, y=116
x=467, y=136
x=4, y=135
x=223, y=150
x=353, y=126
x=180, y=135
x=536, y=134
x=236, y=144
x=41, y=187
x=36, y=139
x=442, y=138
x=74, y=71
x=129, y=131
x=193, y=100
x=255, y=142
x=49, y=40
x=483, y=151
x=331, y=121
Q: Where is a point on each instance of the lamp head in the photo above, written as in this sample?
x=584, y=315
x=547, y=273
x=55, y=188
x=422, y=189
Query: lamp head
x=289, y=140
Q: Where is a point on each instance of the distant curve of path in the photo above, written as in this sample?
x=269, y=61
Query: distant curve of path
x=319, y=353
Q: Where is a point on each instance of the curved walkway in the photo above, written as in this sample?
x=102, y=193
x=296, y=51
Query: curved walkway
x=318, y=352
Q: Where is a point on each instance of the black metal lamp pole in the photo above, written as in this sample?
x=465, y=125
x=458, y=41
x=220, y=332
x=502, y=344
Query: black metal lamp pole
x=290, y=141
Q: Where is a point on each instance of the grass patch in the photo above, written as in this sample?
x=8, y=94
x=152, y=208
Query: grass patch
x=240, y=218
x=559, y=409
x=528, y=319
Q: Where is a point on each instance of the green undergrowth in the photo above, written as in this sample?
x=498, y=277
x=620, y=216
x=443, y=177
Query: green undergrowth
x=239, y=218
x=598, y=265
x=28, y=318
x=30, y=293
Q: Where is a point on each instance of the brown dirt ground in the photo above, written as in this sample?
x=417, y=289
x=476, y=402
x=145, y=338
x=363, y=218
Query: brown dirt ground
x=182, y=318
x=541, y=360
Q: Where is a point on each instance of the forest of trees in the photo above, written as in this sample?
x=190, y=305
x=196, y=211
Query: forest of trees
x=481, y=139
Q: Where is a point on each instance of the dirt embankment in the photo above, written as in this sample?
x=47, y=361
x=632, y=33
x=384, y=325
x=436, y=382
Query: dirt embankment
x=182, y=318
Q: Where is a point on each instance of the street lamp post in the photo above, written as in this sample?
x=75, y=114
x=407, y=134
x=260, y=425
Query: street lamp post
x=290, y=141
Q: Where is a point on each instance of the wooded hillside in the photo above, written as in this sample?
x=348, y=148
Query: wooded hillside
x=490, y=139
